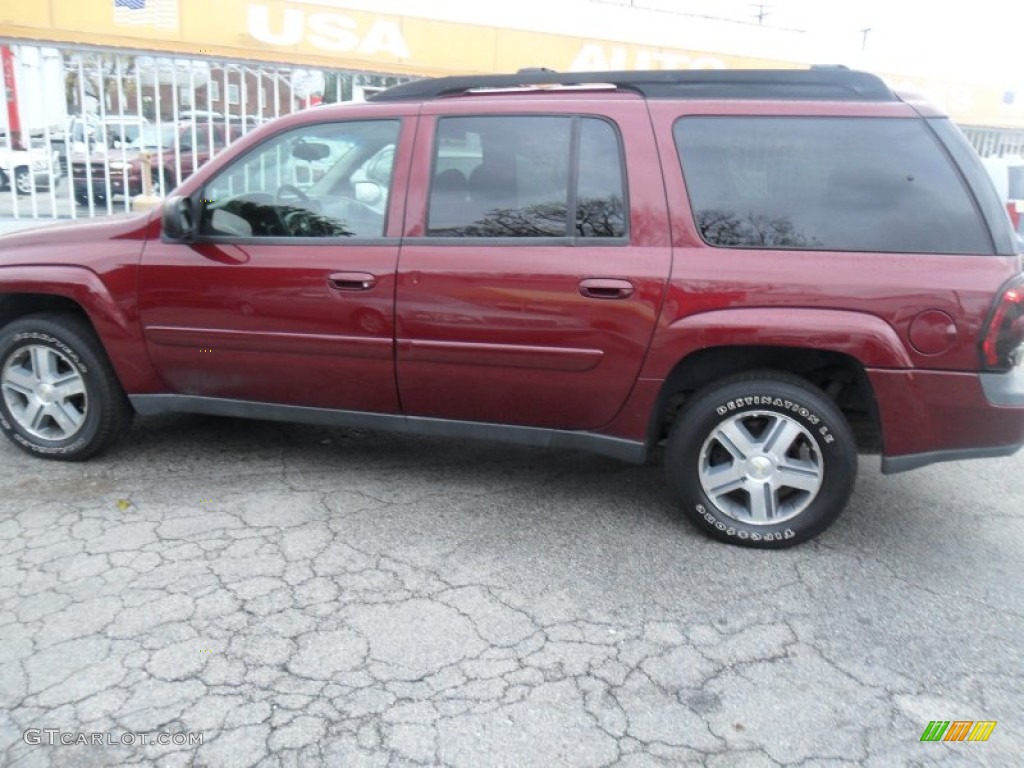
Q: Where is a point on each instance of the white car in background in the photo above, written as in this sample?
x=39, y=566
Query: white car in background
x=28, y=169
x=1007, y=174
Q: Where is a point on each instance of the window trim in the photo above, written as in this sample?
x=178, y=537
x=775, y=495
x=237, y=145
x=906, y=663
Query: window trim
x=523, y=242
x=573, y=240
x=975, y=179
x=940, y=145
x=198, y=197
x=279, y=240
x=627, y=231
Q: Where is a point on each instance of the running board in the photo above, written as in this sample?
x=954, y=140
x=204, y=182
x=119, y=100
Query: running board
x=618, y=448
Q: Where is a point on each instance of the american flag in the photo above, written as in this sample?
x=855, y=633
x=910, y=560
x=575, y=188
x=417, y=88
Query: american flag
x=162, y=14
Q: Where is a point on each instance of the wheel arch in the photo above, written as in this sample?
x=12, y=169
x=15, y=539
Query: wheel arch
x=15, y=305
x=81, y=293
x=840, y=376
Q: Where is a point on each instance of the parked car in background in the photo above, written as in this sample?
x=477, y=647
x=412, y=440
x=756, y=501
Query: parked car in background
x=83, y=134
x=235, y=122
x=167, y=153
x=1007, y=174
x=28, y=169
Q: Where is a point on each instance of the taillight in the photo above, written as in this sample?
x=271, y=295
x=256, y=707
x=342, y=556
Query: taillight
x=1011, y=208
x=1002, y=346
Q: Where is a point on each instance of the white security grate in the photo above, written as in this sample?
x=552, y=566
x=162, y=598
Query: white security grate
x=84, y=113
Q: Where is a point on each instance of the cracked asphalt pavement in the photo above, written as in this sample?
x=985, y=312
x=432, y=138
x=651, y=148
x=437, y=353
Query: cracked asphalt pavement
x=304, y=596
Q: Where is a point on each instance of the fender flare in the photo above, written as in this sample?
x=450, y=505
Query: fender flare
x=863, y=337
x=115, y=326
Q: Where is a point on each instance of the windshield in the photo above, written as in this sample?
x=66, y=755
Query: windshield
x=151, y=137
x=126, y=132
x=79, y=131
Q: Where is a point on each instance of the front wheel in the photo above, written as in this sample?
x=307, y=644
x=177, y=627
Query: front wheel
x=59, y=397
x=23, y=181
x=762, y=459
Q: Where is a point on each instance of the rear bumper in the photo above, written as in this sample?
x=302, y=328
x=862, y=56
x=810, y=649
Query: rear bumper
x=1005, y=390
x=933, y=416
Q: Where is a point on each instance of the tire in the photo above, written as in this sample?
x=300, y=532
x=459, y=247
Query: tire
x=23, y=181
x=161, y=188
x=59, y=397
x=82, y=197
x=762, y=459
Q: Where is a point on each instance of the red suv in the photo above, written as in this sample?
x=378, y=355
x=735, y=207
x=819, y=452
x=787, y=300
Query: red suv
x=768, y=272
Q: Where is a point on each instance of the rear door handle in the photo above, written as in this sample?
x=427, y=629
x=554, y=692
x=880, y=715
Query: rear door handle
x=606, y=288
x=351, y=281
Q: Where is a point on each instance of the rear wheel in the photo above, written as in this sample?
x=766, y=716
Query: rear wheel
x=59, y=397
x=23, y=181
x=762, y=459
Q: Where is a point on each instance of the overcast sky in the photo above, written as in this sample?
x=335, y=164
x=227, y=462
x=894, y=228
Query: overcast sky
x=981, y=40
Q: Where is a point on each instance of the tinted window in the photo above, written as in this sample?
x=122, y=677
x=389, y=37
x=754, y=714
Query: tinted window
x=323, y=180
x=600, y=207
x=511, y=177
x=851, y=184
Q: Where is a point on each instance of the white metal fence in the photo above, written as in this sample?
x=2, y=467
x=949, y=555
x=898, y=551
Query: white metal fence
x=99, y=126
x=996, y=142
x=93, y=127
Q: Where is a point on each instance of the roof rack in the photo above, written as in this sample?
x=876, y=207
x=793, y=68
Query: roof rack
x=820, y=83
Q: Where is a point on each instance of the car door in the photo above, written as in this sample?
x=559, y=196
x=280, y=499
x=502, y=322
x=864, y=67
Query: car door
x=286, y=294
x=530, y=280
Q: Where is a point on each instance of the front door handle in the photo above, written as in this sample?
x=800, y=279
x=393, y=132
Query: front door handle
x=351, y=281
x=606, y=288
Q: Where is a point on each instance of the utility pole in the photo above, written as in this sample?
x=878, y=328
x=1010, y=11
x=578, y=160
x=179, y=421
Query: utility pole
x=762, y=10
x=864, y=38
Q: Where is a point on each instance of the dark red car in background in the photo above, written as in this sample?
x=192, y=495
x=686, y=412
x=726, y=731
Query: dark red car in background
x=166, y=152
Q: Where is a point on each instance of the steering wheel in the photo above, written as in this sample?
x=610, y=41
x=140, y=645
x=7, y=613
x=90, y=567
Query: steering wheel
x=292, y=189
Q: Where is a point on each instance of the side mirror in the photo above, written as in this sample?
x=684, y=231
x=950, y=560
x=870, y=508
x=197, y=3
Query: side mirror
x=178, y=218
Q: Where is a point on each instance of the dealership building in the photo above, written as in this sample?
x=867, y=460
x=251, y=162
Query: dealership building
x=251, y=60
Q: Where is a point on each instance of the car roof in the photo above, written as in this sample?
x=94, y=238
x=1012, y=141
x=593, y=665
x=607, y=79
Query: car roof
x=817, y=83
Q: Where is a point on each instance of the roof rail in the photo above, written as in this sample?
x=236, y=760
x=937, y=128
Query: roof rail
x=816, y=83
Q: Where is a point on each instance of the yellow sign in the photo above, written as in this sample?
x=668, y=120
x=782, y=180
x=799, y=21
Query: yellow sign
x=326, y=34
